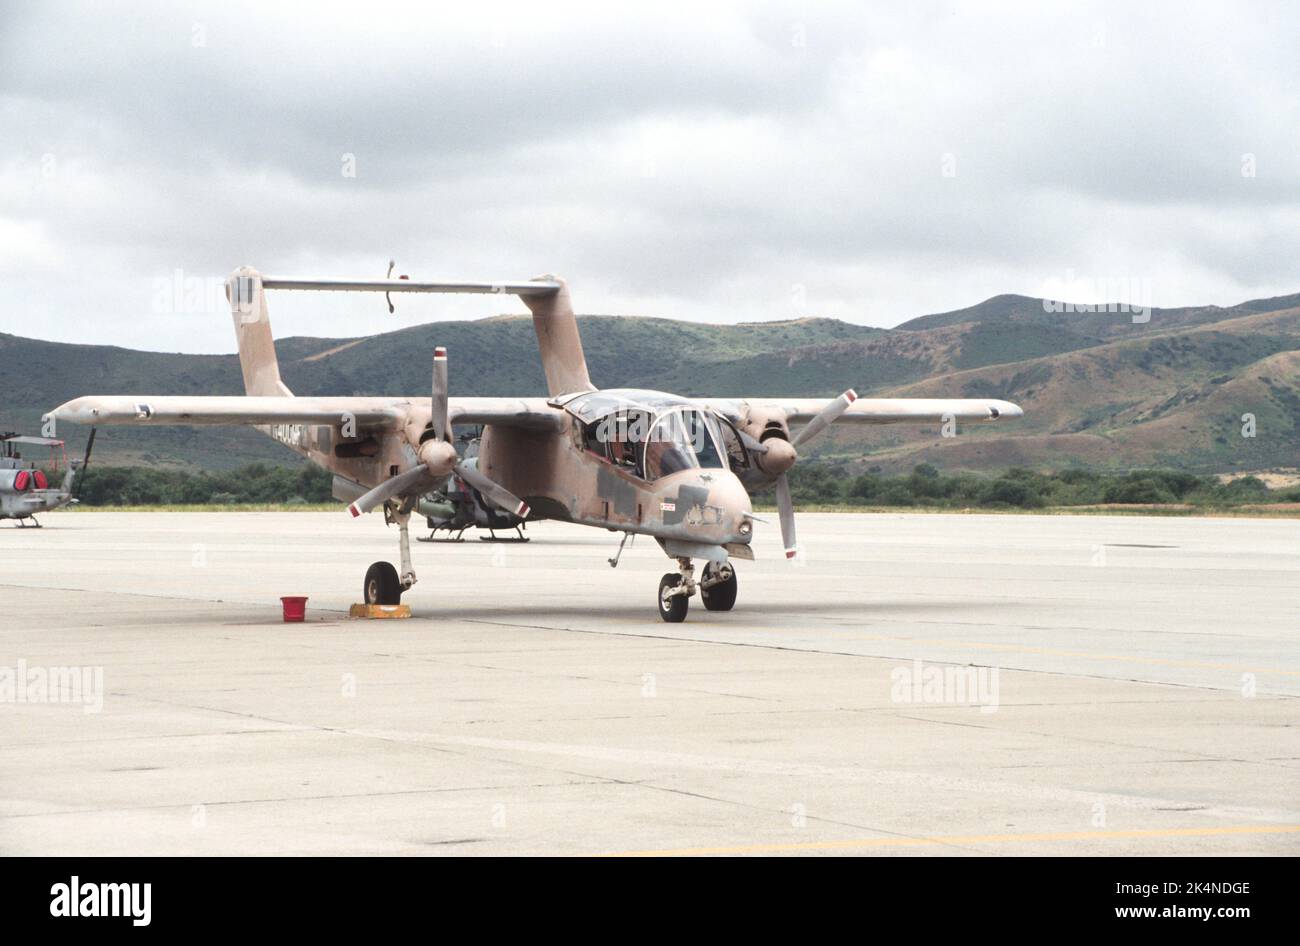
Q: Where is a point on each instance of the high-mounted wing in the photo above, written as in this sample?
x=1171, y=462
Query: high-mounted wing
x=865, y=410
x=765, y=426
x=233, y=410
x=388, y=413
x=530, y=413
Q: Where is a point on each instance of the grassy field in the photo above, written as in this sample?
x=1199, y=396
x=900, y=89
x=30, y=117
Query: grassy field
x=1266, y=511
x=211, y=507
x=1270, y=511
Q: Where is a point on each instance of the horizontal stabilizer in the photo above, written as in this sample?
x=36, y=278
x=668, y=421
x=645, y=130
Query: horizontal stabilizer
x=529, y=287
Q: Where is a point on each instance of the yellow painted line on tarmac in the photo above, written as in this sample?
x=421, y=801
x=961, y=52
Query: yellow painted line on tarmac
x=962, y=839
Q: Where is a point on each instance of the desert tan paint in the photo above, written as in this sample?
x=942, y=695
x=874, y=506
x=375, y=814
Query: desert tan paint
x=559, y=341
x=531, y=447
x=253, y=332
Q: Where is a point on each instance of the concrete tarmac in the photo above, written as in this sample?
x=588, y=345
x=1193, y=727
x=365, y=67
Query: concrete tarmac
x=919, y=684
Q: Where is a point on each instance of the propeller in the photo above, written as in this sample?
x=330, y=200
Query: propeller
x=494, y=493
x=781, y=456
x=414, y=480
x=438, y=403
x=438, y=458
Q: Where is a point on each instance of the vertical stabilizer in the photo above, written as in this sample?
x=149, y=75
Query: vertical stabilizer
x=558, y=340
x=253, y=332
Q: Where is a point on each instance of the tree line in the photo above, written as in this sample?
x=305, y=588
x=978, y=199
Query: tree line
x=254, y=483
x=810, y=484
x=1026, y=489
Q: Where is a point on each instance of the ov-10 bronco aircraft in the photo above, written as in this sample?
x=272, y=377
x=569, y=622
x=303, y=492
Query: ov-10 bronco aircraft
x=626, y=460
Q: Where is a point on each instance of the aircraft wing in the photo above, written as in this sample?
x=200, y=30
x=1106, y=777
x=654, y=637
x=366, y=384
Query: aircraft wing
x=238, y=410
x=234, y=410
x=867, y=410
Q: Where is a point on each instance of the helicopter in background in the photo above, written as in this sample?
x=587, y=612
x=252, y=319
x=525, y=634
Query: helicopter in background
x=457, y=506
x=25, y=489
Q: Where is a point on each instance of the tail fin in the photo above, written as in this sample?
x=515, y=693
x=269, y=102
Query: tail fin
x=253, y=332
x=558, y=340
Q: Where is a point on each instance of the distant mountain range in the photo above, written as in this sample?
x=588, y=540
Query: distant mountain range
x=1099, y=390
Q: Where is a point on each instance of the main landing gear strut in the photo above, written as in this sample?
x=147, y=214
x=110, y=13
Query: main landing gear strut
x=717, y=587
x=383, y=584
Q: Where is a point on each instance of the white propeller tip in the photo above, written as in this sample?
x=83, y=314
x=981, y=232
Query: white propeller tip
x=354, y=510
x=791, y=553
x=523, y=510
x=851, y=395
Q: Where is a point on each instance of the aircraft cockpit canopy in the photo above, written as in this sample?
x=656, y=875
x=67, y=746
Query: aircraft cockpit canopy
x=649, y=433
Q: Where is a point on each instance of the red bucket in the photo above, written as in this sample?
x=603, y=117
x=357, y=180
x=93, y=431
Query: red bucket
x=295, y=608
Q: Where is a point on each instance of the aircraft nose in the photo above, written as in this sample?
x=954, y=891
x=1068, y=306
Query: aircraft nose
x=729, y=493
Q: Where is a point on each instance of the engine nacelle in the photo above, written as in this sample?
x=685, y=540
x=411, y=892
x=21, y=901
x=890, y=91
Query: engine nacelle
x=770, y=429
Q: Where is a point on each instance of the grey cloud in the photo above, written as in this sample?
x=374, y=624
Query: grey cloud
x=695, y=162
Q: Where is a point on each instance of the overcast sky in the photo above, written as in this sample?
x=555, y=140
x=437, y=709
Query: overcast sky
x=708, y=162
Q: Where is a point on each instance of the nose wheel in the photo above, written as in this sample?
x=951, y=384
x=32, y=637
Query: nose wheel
x=673, y=599
x=717, y=587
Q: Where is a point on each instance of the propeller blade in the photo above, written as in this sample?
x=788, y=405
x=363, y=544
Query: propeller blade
x=825, y=416
x=785, y=507
x=498, y=496
x=416, y=480
x=439, y=402
x=750, y=444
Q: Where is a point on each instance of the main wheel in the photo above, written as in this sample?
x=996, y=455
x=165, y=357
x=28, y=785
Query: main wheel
x=672, y=608
x=719, y=597
x=382, y=584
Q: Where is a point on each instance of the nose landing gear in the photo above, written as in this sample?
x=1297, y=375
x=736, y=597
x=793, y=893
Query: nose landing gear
x=675, y=592
x=717, y=587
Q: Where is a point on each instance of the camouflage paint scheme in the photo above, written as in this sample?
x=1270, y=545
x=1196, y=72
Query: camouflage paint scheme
x=531, y=447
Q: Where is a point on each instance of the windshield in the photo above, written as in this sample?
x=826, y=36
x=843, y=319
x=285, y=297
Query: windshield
x=681, y=440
